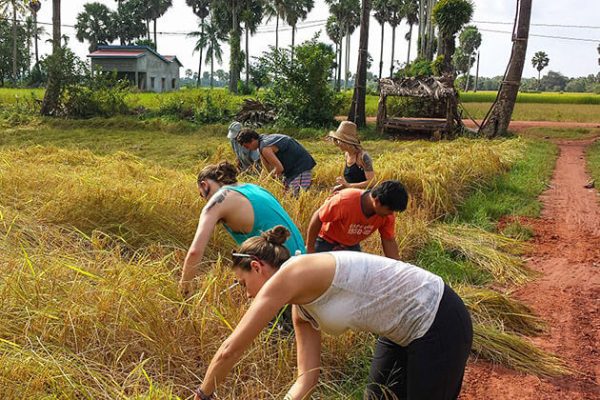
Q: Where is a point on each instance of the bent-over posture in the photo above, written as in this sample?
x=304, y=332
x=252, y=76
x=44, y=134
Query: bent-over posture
x=424, y=329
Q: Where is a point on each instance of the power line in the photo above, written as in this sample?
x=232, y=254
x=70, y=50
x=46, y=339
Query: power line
x=547, y=36
x=545, y=25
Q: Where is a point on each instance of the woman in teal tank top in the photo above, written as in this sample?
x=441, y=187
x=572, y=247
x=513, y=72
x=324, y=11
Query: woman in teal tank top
x=246, y=210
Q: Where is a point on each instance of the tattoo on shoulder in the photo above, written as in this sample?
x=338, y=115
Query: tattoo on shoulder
x=218, y=199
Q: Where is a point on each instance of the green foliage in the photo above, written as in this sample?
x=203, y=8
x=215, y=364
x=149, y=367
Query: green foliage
x=451, y=15
x=301, y=93
x=6, y=51
x=437, y=65
x=420, y=67
x=101, y=95
x=96, y=25
x=202, y=107
x=593, y=160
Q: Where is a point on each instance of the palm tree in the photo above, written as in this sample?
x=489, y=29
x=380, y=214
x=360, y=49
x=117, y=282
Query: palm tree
x=426, y=37
x=450, y=16
x=357, y=112
x=395, y=18
x=498, y=118
x=540, y=61
x=211, y=40
x=335, y=33
x=296, y=10
x=348, y=14
x=153, y=10
x=411, y=13
x=17, y=8
x=95, y=24
x=382, y=15
x=35, y=6
x=251, y=16
x=200, y=8
x=53, y=89
x=276, y=9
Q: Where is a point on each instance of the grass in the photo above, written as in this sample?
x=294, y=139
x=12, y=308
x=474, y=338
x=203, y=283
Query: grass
x=561, y=133
x=593, y=162
x=95, y=219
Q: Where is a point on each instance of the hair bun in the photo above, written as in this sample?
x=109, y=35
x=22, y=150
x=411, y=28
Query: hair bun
x=277, y=235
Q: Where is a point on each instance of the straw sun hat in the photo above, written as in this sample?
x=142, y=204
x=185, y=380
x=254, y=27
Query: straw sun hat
x=347, y=132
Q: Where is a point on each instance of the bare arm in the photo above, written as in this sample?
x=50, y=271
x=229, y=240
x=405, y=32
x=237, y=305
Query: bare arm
x=314, y=226
x=390, y=248
x=271, y=160
x=211, y=214
x=308, y=343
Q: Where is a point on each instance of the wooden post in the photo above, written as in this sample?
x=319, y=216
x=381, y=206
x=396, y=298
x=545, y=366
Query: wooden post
x=381, y=113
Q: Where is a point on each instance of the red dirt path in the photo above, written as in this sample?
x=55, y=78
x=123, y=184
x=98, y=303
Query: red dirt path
x=567, y=294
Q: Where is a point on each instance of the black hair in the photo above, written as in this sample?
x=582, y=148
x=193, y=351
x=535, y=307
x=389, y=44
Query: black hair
x=391, y=194
x=246, y=135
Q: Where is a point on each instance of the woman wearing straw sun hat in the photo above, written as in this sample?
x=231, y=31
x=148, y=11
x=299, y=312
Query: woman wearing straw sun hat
x=358, y=168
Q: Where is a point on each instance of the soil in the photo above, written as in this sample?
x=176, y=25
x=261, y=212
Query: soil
x=566, y=252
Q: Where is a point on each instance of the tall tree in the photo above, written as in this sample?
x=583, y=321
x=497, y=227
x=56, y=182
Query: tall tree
x=498, y=118
x=211, y=41
x=95, y=24
x=469, y=41
x=276, y=9
x=16, y=8
x=295, y=11
x=348, y=14
x=426, y=40
x=395, y=18
x=53, y=89
x=251, y=16
x=382, y=15
x=335, y=33
x=357, y=112
x=540, y=61
x=152, y=10
x=201, y=9
x=128, y=23
x=226, y=15
x=450, y=16
x=411, y=13
x=35, y=6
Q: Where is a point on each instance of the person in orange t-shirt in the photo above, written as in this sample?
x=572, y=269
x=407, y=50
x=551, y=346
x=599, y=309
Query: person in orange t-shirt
x=351, y=215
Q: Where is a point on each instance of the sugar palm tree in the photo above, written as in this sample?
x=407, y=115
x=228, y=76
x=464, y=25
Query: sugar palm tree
x=357, y=112
x=251, y=16
x=540, y=61
x=411, y=13
x=396, y=17
x=211, y=41
x=295, y=11
x=348, y=14
x=16, y=8
x=152, y=11
x=53, y=89
x=276, y=9
x=95, y=24
x=450, y=16
x=35, y=6
x=201, y=9
x=335, y=33
x=382, y=15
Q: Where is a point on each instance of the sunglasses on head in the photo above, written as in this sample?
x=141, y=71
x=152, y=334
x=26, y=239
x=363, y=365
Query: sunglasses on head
x=238, y=257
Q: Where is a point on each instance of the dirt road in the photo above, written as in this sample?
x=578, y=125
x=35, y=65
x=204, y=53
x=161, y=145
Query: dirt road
x=566, y=295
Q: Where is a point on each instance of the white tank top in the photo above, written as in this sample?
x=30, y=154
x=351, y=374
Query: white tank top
x=376, y=294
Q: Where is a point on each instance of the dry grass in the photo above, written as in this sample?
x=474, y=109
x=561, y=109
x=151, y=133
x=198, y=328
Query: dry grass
x=91, y=247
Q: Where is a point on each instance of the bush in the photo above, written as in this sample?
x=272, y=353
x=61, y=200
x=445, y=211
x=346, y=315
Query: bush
x=99, y=96
x=301, y=92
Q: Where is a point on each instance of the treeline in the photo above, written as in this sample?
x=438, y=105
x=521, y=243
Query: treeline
x=552, y=82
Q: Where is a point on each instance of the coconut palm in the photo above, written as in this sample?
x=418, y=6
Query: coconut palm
x=411, y=13
x=335, y=33
x=211, y=41
x=382, y=15
x=16, y=8
x=201, y=9
x=295, y=11
x=540, y=61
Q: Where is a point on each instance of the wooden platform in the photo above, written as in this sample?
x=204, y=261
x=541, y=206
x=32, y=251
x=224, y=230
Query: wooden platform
x=416, y=124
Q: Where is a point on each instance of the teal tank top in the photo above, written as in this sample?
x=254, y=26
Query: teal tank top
x=268, y=213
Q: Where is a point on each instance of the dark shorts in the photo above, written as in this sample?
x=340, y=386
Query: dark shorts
x=322, y=245
x=429, y=368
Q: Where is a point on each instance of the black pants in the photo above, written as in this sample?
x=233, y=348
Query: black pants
x=429, y=368
x=322, y=245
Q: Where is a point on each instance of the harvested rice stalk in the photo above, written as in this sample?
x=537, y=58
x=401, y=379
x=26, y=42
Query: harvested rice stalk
x=515, y=352
x=492, y=252
x=490, y=307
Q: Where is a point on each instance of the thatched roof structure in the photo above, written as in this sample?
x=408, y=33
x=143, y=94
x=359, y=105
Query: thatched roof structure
x=433, y=87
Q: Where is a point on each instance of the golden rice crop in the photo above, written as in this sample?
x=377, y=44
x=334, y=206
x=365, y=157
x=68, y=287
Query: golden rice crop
x=91, y=249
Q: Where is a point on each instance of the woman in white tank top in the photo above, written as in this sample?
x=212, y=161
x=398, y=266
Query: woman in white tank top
x=424, y=329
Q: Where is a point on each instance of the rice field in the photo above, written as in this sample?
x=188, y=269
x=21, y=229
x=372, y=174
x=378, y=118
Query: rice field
x=94, y=224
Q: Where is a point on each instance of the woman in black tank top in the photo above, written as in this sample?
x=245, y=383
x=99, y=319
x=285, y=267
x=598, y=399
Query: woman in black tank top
x=358, y=168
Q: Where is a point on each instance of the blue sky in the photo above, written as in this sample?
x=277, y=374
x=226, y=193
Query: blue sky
x=493, y=18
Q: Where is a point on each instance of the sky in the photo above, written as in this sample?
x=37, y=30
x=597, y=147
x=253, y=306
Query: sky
x=578, y=19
